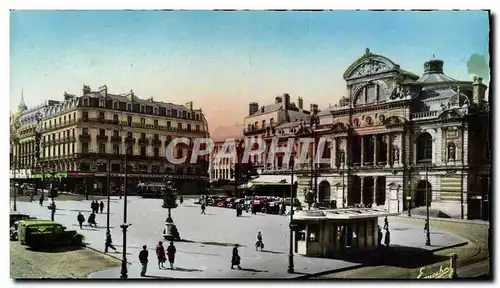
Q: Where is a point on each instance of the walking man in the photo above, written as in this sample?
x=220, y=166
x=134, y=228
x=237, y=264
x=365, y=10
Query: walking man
x=80, y=219
x=171, y=254
x=91, y=220
x=41, y=199
x=143, y=258
x=259, y=243
x=203, y=208
x=386, y=223
x=235, y=260
x=387, y=237
x=160, y=253
x=109, y=242
x=101, y=206
x=380, y=236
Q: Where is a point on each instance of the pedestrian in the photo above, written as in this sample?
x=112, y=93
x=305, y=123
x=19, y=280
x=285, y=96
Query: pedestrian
x=101, y=206
x=91, y=220
x=380, y=236
x=387, y=237
x=203, y=208
x=282, y=208
x=109, y=241
x=181, y=200
x=259, y=243
x=80, y=218
x=386, y=223
x=160, y=253
x=235, y=260
x=171, y=254
x=92, y=207
x=143, y=258
x=41, y=199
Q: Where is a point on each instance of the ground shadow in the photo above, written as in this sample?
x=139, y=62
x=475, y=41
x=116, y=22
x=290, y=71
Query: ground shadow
x=395, y=256
x=87, y=227
x=58, y=249
x=253, y=270
x=75, y=210
x=155, y=277
x=211, y=243
x=209, y=254
x=244, y=216
x=184, y=269
x=272, y=252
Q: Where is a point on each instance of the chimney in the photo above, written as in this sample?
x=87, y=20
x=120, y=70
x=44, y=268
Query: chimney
x=314, y=108
x=478, y=91
x=278, y=99
x=253, y=107
x=286, y=99
x=130, y=96
x=86, y=89
x=188, y=105
x=300, y=102
x=103, y=90
x=68, y=96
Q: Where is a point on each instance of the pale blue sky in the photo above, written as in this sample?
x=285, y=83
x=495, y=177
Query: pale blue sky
x=223, y=60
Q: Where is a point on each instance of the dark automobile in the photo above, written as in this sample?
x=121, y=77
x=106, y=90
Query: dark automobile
x=272, y=207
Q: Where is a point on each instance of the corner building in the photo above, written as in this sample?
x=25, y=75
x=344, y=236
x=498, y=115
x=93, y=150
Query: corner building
x=397, y=139
x=85, y=138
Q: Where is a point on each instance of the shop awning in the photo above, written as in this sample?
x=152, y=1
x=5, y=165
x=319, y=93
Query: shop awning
x=272, y=180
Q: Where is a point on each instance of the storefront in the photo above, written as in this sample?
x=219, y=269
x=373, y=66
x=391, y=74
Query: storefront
x=327, y=233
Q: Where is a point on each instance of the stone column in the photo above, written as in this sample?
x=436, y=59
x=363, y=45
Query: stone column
x=375, y=147
x=333, y=153
x=400, y=144
x=375, y=189
x=362, y=151
x=344, y=140
x=362, y=189
x=388, y=138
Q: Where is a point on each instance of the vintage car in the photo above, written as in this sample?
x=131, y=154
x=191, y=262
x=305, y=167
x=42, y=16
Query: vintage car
x=272, y=207
x=16, y=216
x=46, y=233
x=170, y=232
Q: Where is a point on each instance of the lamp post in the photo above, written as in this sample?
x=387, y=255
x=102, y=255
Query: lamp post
x=313, y=124
x=124, y=226
x=15, y=189
x=107, y=209
x=409, y=205
x=427, y=223
x=292, y=226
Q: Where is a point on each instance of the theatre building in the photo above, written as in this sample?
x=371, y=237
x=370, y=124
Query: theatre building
x=397, y=139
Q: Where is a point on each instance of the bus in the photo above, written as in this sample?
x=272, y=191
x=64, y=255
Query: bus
x=151, y=190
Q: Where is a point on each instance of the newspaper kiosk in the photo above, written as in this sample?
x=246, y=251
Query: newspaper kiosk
x=326, y=233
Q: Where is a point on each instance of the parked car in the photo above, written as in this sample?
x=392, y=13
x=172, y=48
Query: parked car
x=16, y=216
x=272, y=207
x=237, y=201
x=45, y=233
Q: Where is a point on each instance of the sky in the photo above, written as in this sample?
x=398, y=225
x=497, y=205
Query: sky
x=223, y=60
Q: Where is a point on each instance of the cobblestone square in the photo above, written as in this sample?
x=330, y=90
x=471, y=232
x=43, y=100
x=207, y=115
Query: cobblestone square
x=208, y=239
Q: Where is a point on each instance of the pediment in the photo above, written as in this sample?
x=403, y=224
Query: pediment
x=394, y=186
x=303, y=130
x=339, y=127
x=394, y=120
x=369, y=64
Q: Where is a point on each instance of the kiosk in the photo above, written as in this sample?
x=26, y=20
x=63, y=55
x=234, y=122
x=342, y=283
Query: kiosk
x=326, y=233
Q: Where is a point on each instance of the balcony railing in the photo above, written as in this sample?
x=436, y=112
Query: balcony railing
x=84, y=137
x=102, y=138
x=424, y=115
x=130, y=140
x=116, y=139
x=141, y=125
x=143, y=141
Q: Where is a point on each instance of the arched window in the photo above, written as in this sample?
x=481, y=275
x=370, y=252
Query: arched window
x=424, y=147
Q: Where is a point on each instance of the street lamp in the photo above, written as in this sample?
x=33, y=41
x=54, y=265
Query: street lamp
x=169, y=201
x=427, y=223
x=38, y=137
x=292, y=226
x=409, y=205
x=124, y=226
x=313, y=124
x=107, y=212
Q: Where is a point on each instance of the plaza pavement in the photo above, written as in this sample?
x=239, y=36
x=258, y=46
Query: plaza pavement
x=209, y=239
